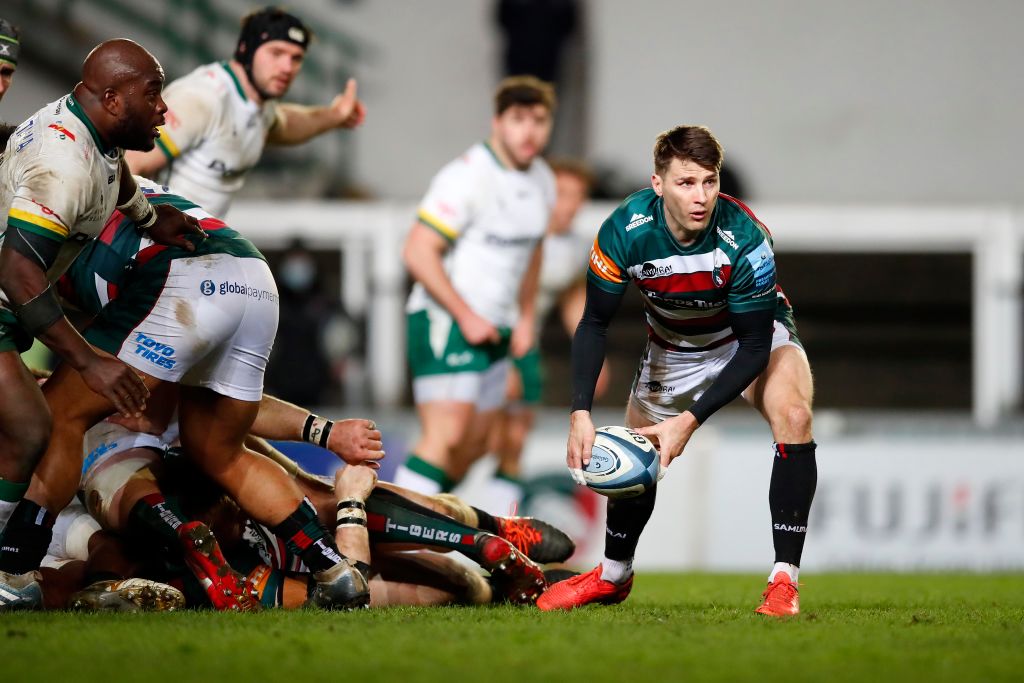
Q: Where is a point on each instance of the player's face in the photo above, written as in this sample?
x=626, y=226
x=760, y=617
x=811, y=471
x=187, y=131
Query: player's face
x=571, y=192
x=690, y=192
x=275, y=65
x=142, y=110
x=6, y=74
x=523, y=132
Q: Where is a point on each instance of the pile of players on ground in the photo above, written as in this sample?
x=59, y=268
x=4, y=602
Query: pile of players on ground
x=177, y=499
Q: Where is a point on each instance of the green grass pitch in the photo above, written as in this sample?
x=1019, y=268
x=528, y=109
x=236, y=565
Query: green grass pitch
x=675, y=627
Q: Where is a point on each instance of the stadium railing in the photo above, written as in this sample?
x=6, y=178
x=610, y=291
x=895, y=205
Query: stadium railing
x=369, y=235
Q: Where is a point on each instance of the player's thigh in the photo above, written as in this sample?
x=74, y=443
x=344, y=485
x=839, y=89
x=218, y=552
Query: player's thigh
x=636, y=417
x=784, y=394
x=213, y=426
x=80, y=407
x=24, y=415
x=445, y=423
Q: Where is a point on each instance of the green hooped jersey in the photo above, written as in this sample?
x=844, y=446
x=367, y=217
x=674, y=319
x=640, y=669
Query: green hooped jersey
x=688, y=290
x=107, y=264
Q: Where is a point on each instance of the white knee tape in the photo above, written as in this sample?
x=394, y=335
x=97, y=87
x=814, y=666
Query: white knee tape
x=107, y=480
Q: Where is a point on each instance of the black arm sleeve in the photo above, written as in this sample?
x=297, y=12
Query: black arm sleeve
x=588, y=343
x=754, y=332
x=39, y=250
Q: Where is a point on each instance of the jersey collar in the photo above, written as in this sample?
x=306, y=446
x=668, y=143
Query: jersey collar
x=76, y=109
x=494, y=155
x=234, y=79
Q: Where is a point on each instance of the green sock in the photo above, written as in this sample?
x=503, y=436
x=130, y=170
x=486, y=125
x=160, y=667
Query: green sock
x=392, y=518
x=423, y=468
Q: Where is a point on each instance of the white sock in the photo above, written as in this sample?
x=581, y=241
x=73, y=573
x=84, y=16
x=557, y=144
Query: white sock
x=791, y=569
x=415, y=481
x=503, y=495
x=616, y=571
x=6, y=510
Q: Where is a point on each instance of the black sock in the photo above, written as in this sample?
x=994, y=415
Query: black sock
x=485, y=521
x=627, y=518
x=153, y=513
x=26, y=538
x=392, y=518
x=794, y=478
x=306, y=537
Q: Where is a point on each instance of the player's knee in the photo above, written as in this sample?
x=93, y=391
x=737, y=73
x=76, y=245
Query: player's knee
x=795, y=421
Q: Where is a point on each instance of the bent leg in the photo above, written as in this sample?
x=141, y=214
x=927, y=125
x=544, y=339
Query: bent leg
x=24, y=430
x=444, y=425
x=783, y=394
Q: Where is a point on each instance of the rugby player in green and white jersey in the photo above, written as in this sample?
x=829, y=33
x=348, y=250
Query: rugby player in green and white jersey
x=718, y=327
x=221, y=115
x=62, y=172
x=562, y=284
x=475, y=253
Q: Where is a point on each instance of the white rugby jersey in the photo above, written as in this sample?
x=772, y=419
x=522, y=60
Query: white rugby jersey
x=59, y=180
x=213, y=136
x=493, y=216
x=565, y=263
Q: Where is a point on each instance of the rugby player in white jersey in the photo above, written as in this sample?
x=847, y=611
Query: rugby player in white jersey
x=718, y=327
x=474, y=253
x=562, y=285
x=62, y=173
x=10, y=46
x=222, y=114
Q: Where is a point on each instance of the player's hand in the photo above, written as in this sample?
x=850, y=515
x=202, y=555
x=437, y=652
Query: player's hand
x=118, y=383
x=172, y=227
x=671, y=436
x=581, y=442
x=357, y=442
x=347, y=109
x=354, y=481
x=478, y=330
x=522, y=338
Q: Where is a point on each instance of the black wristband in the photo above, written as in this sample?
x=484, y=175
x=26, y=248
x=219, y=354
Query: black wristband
x=351, y=521
x=317, y=430
x=351, y=503
x=307, y=425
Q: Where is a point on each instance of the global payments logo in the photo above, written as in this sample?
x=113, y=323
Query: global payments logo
x=207, y=287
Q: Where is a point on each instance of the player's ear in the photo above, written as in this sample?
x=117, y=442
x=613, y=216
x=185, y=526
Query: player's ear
x=112, y=102
x=656, y=183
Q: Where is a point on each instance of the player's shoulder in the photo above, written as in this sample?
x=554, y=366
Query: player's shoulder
x=205, y=85
x=470, y=166
x=636, y=213
x=54, y=141
x=737, y=225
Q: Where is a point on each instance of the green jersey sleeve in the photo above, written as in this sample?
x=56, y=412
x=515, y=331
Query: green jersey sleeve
x=753, y=280
x=608, y=263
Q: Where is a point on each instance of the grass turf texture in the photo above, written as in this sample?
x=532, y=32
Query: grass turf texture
x=934, y=627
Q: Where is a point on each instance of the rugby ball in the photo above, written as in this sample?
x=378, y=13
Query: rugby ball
x=623, y=464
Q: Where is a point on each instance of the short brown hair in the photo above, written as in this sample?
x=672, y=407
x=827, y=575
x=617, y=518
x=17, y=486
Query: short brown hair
x=687, y=143
x=523, y=90
x=575, y=168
